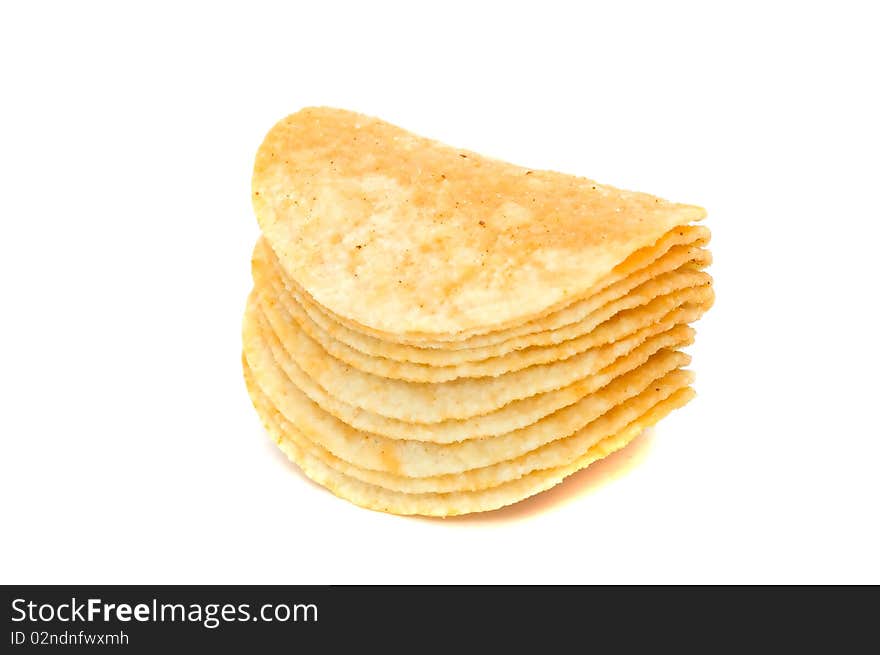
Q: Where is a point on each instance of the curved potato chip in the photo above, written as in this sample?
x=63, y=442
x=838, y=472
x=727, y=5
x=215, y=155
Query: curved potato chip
x=406, y=238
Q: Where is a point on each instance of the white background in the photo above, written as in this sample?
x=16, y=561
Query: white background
x=130, y=451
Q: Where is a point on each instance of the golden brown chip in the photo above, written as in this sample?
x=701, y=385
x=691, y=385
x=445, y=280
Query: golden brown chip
x=401, y=236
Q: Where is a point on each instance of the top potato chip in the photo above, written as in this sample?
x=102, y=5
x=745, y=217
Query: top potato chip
x=401, y=236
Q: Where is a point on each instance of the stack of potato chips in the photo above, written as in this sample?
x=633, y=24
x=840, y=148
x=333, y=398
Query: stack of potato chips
x=435, y=332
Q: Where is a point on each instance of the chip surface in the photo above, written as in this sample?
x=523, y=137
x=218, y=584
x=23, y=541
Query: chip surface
x=402, y=235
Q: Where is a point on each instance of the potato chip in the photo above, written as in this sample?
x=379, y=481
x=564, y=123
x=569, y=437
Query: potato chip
x=406, y=237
